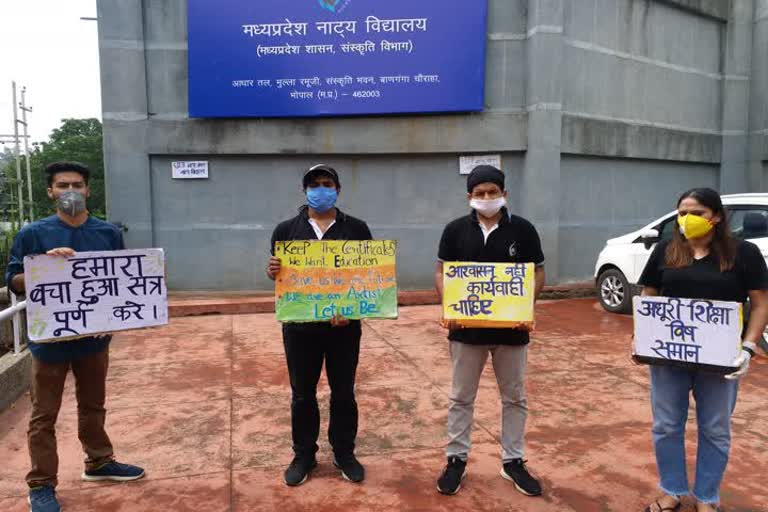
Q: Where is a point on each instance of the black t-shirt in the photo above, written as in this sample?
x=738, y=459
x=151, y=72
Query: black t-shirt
x=702, y=279
x=514, y=241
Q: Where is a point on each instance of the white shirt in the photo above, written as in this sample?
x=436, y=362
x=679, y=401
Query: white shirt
x=316, y=227
x=487, y=231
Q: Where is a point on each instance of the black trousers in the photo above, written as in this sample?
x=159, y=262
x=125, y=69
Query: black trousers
x=306, y=347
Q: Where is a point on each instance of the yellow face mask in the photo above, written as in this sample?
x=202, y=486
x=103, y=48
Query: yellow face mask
x=694, y=226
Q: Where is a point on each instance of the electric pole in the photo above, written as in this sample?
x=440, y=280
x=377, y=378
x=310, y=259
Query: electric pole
x=18, y=155
x=24, y=123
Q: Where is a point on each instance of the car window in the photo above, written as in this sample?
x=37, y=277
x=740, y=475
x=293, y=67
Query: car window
x=749, y=222
x=666, y=228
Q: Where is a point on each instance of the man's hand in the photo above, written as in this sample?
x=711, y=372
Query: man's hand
x=451, y=325
x=17, y=283
x=339, y=321
x=64, y=252
x=273, y=268
x=742, y=361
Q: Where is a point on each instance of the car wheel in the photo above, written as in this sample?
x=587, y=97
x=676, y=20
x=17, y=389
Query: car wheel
x=615, y=292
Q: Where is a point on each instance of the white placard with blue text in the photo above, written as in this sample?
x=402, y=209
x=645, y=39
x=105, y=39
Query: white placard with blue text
x=687, y=331
x=94, y=293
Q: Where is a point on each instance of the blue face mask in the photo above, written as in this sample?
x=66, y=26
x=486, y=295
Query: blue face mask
x=321, y=199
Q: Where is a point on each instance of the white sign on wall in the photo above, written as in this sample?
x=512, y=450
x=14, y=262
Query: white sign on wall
x=189, y=170
x=687, y=331
x=94, y=293
x=469, y=162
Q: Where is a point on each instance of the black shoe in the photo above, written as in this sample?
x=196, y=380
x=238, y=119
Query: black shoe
x=450, y=481
x=350, y=468
x=299, y=470
x=516, y=472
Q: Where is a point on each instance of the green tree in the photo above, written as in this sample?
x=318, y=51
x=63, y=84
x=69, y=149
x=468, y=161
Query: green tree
x=8, y=204
x=78, y=140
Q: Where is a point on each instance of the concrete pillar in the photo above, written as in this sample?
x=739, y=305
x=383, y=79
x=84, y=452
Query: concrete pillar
x=540, y=183
x=758, y=109
x=124, y=110
x=737, y=55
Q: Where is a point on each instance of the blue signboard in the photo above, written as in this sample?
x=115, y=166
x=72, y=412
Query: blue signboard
x=297, y=58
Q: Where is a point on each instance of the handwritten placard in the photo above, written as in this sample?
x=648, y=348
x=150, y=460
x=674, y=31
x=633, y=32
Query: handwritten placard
x=324, y=278
x=685, y=332
x=94, y=293
x=489, y=294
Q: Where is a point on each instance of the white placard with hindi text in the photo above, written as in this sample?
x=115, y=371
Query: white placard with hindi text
x=94, y=293
x=469, y=162
x=189, y=170
x=687, y=331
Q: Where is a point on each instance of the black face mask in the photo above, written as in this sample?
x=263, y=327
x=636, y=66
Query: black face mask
x=71, y=202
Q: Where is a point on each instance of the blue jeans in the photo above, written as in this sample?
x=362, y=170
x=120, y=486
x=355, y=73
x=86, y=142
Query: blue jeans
x=715, y=400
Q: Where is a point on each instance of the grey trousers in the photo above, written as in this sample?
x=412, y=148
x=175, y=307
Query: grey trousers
x=509, y=363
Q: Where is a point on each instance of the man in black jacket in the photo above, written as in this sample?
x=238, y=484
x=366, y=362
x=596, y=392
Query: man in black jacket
x=308, y=344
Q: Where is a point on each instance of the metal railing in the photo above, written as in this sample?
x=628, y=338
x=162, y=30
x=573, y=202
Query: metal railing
x=14, y=313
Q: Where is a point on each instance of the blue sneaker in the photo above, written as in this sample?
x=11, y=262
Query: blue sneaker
x=113, y=471
x=43, y=499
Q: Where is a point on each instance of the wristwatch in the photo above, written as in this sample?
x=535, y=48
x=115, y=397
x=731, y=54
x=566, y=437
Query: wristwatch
x=749, y=348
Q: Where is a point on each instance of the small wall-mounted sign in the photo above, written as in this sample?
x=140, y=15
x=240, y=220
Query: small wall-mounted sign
x=467, y=163
x=189, y=170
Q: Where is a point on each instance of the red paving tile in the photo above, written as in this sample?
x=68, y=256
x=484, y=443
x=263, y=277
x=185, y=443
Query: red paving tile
x=204, y=405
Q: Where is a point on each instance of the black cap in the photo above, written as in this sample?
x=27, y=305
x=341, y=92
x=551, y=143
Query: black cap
x=320, y=169
x=485, y=174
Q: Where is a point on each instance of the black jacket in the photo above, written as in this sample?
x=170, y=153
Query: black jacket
x=299, y=228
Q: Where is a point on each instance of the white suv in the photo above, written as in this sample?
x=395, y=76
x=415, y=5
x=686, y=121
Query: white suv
x=623, y=259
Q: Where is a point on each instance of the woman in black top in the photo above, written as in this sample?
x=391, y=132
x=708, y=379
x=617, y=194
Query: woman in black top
x=701, y=261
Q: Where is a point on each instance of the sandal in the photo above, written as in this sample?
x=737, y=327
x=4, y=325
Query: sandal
x=664, y=509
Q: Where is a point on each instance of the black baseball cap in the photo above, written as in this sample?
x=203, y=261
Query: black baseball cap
x=318, y=169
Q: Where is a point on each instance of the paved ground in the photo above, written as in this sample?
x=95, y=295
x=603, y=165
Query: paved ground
x=204, y=405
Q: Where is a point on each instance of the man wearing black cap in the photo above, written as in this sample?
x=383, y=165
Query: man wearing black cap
x=488, y=234
x=308, y=344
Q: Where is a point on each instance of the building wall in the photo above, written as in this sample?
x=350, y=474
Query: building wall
x=591, y=103
x=231, y=215
x=642, y=62
x=631, y=194
x=758, y=112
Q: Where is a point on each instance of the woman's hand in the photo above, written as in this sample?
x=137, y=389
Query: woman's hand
x=742, y=361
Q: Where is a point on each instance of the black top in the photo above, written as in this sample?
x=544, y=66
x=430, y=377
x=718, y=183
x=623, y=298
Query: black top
x=702, y=279
x=514, y=241
x=346, y=227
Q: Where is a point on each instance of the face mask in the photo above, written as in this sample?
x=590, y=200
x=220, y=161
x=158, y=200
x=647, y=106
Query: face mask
x=694, y=226
x=71, y=202
x=488, y=207
x=321, y=199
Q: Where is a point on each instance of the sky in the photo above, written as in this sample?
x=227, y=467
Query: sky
x=45, y=46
